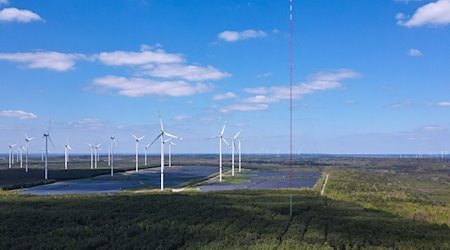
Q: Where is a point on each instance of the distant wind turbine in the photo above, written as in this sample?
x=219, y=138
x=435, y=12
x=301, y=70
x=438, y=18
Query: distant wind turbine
x=113, y=142
x=171, y=143
x=145, y=154
x=137, y=139
x=47, y=138
x=221, y=138
x=233, y=146
x=66, y=155
x=92, y=155
x=96, y=147
x=160, y=136
x=11, y=157
x=22, y=148
x=27, y=140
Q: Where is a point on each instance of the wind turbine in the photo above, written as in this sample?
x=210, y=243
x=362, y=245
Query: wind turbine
x=113, y=142
x=160, y=136
x=96, y=154
x=137, y=148
x=27, y=140
x=239, y=148
x=233, y=146
x=145, y=154
x=47, y=138
x=92, y=155
x=22, y=148
x=109, y=155
x=11, y=157
x=66, y=154
x=221, y=138
x=171, y=143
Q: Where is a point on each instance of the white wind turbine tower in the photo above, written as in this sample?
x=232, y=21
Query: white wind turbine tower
x=161, y=135
x=92, y=155
x=113, y=142
x=96, y=147
x=137, y=151
x=171, y=143
x=66, y=154
x=239, y=148
x=109, y=155
x=27, y=140
x=145, y=154
x=233, y=147
x=47, y=138
x=11, y=157
x=221, y=138
x=22, y=148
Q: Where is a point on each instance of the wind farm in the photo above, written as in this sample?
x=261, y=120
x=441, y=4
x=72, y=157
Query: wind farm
x=162, y=124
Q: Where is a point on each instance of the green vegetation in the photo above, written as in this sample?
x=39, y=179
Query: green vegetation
x=368, y=203
x=407, y=197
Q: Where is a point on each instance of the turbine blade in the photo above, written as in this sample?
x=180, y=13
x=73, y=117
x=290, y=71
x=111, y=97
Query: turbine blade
x=140, y=138
x=238, y=133
x=155, y=139
x=135, y=137
x=223, y=129
x=170, y=135
x=69, y=147
x=225, y=141
x=160, y=121
x=51, y=141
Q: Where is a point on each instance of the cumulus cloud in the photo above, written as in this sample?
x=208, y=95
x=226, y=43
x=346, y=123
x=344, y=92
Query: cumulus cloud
x=16, y=15
x=48, y=60
x=18, y=114
x=234, y=36
x=415, y=52
x=136, y=87
x=243, y=107
x=319, y=82
x=143, y=57
x=434, y=14
x=187, y=72
x=227, y=95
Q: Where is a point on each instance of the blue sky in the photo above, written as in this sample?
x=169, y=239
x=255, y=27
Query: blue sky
x=369, y=76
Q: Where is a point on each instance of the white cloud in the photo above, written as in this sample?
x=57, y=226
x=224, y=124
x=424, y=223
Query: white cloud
x=16, y=15
x=436, y=13
x=4, y=1
x=144, y=57
x=233, y=36
x=48, y=60
x=442, y=104
x=406, y=1
x=243, y=107
x=19, y=114
x=414, y=52
x=227, y=95
x=399, y=105
x=260, y=99
x=90, y=123
x=187, y=72
x=263, y=75
x=135, y=87
x=319, y=82
x=182, y=117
